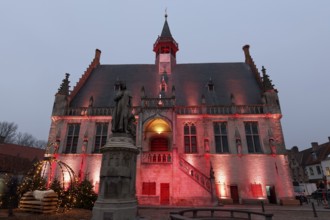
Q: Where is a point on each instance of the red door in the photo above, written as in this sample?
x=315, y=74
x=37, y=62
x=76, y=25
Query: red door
x=159, y=144
x=164, y=193
x=234, y=194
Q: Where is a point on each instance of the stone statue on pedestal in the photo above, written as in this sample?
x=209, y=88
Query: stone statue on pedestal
x=122, y=117
x=117, y=199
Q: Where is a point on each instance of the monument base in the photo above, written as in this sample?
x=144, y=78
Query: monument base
x=117, y=199
x=115, y=210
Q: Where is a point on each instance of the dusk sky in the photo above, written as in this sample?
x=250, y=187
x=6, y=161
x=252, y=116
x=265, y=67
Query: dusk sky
x=43, y=40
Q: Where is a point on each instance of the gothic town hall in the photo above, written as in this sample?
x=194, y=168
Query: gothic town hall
x=205, y=131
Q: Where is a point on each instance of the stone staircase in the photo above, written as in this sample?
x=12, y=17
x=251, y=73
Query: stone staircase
x=195, y=174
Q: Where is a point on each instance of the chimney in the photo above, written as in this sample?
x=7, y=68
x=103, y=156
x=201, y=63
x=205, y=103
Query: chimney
x=246, y=49
x=329, y=139
x=248, y=58
x=315, y=145
x=97, y=57
x=97, y=54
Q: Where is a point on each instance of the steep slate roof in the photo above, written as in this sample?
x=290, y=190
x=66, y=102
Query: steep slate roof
x=322, y=153
x=190, y=81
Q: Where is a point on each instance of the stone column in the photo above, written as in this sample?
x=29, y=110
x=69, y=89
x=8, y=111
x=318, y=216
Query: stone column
x=117, y=199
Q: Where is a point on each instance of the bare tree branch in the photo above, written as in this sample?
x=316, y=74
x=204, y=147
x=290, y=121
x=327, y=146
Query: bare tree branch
x=40, y=144
x=8, y=131
x=25, y=139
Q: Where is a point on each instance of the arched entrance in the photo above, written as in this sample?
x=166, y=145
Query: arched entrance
x=158, y=135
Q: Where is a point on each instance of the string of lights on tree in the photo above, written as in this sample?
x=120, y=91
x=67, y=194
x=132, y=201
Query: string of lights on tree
x=71, y=193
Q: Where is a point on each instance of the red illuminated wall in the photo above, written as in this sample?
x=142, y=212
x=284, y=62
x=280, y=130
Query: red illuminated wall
x=91, y=166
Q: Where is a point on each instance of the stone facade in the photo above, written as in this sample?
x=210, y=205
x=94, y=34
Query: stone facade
x=189, y=126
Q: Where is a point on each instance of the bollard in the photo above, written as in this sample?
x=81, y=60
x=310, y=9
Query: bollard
x=263, y=206
x=315, y=214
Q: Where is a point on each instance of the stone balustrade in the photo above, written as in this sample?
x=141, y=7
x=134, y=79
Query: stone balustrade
x=151, y=103
x=157, y=157
x=222, y=110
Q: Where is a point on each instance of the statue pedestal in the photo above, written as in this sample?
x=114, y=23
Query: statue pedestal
x=116, y=199
x=115, y=210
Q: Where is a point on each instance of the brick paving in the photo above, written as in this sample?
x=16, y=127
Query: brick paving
x=303, y=212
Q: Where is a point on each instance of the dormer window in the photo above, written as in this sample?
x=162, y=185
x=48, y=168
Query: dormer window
x=117, y=86
x=210, y=85
x=314, y=156
x=163, y=85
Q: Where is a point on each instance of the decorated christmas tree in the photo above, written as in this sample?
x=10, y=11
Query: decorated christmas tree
x=86, y=196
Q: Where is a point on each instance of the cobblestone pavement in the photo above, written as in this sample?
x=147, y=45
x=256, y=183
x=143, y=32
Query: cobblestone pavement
x=303, y=212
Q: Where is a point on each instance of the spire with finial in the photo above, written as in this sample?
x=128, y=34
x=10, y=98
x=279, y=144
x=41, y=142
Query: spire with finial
x=173, y=91
x=166, y=29
x=143, y=92
x=232, y=99
x=166, y=39
x=266, y=82
x=64, y=88
x=91, y=102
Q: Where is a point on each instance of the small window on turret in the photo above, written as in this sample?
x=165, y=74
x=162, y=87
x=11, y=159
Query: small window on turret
x=165, y=49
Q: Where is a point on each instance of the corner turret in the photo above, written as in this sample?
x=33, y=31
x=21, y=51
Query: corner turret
x=61, y=97
x=270, y=94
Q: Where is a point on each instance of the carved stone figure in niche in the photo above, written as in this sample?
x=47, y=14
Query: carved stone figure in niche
x=122, y=112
